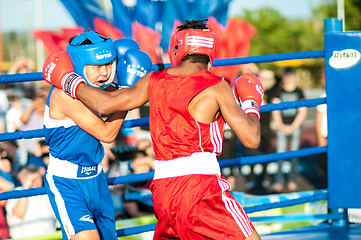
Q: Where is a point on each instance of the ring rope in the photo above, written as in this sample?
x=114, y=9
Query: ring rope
x=319, y=195
x=272, y=157
x=142, y=122
x=149, y=175
x=22, y=77
x=271, y=198
x=297, y=217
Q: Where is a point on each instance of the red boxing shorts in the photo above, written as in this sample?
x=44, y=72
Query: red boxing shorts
x=196, y=207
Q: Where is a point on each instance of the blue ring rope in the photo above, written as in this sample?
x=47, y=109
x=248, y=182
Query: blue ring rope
x=316, y=197
x=135, y=230
x=272, y=157
x=142, y=122
x=271, y=198
x=23, y=77
x=286, y=203
x=223, y=163
x=297, y=217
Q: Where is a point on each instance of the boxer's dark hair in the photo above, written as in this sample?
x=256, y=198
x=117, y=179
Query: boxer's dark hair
x=194, y=24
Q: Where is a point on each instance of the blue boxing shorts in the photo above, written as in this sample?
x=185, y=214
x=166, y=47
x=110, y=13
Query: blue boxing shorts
x=80, y=199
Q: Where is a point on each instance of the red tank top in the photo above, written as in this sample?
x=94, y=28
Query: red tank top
x=175, y=133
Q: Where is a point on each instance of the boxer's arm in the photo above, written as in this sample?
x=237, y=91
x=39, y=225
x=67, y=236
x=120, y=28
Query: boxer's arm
x=246, y=127
x=105, y=102
x=106, y=130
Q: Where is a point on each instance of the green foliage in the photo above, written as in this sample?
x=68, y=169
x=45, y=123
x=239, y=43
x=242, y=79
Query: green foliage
x=278, y=34
x=328, y=9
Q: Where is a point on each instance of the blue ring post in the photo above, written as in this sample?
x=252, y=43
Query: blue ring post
x=332, y=25
x=343, y=89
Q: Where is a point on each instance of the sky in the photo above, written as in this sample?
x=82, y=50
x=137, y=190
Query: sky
x=19, y=15
x=288, y=8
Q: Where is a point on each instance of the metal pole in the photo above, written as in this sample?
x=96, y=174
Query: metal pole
x=30, y=42
x=341, y=12
x=1, y=41
x=39, y=45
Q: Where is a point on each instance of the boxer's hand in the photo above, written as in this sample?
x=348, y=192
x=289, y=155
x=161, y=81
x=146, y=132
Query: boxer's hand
x=132, y=62
x=249, y=91
x=58, y=70
x=136, y=64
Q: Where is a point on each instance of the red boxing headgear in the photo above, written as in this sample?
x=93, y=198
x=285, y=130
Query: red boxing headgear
x=191, y=41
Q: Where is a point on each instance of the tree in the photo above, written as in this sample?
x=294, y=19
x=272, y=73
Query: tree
x=278, y=34
x=328, y=9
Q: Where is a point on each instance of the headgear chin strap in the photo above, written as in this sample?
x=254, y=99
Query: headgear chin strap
x=191, y=41
x=100, y=51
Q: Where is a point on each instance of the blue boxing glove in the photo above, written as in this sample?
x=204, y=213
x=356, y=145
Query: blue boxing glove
x=132, y=62
x=136, y=64
x=124, y=44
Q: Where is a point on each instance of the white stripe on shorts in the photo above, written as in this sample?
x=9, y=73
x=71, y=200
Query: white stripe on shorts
x=233, y=208
x=69, y=229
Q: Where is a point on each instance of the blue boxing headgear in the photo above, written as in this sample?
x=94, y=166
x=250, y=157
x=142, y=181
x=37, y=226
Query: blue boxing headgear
x=100, y=51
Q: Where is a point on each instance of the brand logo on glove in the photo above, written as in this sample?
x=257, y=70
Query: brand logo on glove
x=254, y=104
x=68, y=81
x=104, y=54
x=48, y=70
x=260, y=90
x=136, y=70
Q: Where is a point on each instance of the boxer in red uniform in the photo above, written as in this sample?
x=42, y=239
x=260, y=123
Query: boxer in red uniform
x=188, y=109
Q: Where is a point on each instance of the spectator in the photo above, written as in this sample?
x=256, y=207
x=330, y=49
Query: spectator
x=123, y=160
x=32, y=118
x=321, y=132
x=4, y=105
x=9, y=151
x=13, y=115
x=40, y=157
x=31, y=216
x=288, y=123
x=258, y=179
x=23, y=65
x=270, y=83
x=256, y=174
x=130, y=135
x=6, y=184
x=146, y=146
x=141, y=163
x=112, y=168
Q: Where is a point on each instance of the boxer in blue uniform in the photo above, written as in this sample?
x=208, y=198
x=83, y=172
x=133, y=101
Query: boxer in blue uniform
x=75, y=182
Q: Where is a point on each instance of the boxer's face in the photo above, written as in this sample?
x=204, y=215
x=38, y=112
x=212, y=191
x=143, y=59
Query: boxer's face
x=98, y=74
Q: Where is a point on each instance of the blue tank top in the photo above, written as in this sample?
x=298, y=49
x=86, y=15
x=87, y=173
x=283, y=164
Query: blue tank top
x=69, y=142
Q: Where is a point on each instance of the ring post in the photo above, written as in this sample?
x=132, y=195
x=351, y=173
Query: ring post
x=343, y=88
x=333, y=25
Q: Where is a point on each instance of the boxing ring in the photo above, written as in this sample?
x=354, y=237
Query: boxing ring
x=342, y=55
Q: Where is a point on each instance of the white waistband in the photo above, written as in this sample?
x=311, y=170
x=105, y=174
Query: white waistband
x=66, y=169
x=197, y=163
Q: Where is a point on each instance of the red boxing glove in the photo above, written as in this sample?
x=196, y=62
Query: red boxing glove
x=249, y=91
x=58, y=71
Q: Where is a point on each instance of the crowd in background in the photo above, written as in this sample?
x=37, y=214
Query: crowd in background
x=281, y=131
x=23, y=162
